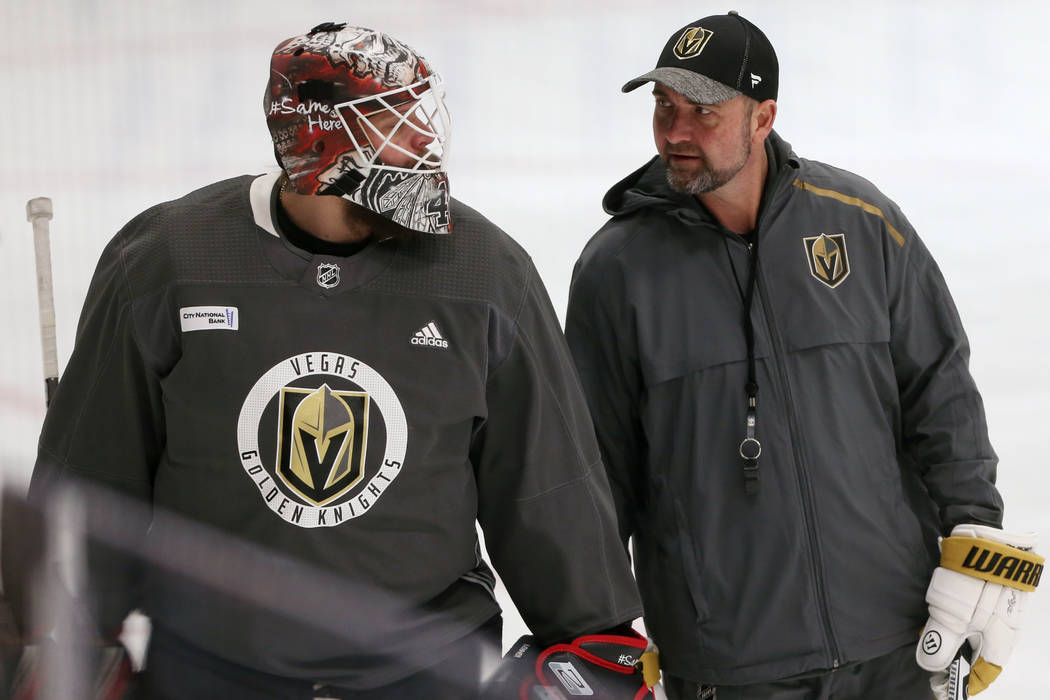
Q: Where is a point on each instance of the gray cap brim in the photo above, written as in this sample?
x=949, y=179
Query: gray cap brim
x=693, y=86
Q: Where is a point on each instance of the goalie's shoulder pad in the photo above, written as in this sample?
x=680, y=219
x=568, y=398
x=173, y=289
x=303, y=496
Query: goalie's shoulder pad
x=602, y=666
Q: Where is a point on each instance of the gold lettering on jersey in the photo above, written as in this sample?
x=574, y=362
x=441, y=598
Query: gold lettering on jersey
x=827, y=257
x=322, y=437
x=692, y=42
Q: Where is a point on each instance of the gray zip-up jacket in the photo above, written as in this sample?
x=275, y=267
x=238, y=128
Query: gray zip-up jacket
x=873, y=434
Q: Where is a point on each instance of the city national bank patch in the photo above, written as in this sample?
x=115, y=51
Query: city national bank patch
x=209, y=318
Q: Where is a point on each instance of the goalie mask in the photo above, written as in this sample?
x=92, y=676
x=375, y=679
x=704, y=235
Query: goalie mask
x=356, y=113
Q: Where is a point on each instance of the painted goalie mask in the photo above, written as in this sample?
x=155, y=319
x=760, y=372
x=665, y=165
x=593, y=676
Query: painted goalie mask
x=356, y=113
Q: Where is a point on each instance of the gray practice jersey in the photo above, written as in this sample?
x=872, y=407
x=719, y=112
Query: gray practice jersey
x=346, y=420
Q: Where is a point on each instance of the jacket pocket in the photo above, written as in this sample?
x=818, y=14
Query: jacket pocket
x=690, y=561
x=668, y=570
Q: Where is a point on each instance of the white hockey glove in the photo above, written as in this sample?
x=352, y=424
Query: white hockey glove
x=977, y=595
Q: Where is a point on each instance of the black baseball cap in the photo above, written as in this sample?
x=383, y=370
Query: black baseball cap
x=714, y=59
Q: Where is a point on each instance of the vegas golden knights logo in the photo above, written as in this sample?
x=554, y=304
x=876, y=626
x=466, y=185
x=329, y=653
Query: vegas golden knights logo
x=692, y=42
x=321, y=443
x=321, y=436
x=827, y=257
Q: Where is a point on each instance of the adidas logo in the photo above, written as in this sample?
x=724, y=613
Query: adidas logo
x=430, y=336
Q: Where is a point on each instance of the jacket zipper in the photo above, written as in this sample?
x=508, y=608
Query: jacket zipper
x=803, y=480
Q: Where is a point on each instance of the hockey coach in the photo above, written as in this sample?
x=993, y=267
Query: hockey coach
x=780, y=386
x=338, y=370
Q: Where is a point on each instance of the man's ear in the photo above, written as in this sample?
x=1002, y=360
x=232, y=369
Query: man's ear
x=762, y=118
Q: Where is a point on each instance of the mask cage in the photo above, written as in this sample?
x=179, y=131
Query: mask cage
x=418, y=108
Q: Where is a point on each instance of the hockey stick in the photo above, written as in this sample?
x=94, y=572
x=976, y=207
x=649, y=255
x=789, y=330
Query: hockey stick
x=38, y=213
x=957, y=679
x=60, y=669
x=951, y=683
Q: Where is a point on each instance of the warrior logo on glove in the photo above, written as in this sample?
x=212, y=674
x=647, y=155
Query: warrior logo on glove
x=994, y=562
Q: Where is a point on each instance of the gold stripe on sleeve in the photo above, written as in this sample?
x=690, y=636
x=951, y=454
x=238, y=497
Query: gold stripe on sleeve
x=852, y=201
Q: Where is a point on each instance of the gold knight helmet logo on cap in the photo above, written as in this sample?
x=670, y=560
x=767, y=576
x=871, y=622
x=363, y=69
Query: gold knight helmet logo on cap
x=692, y=42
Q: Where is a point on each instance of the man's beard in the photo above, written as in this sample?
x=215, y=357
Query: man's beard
x=382, y=228
x=709, y=179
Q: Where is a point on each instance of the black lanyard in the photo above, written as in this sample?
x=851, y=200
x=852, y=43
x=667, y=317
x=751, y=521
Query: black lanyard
x=750, y=447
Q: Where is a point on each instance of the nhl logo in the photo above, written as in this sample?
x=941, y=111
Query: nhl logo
x=328, y=275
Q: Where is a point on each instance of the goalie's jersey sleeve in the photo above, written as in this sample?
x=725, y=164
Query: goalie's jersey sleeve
x=318, y=436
